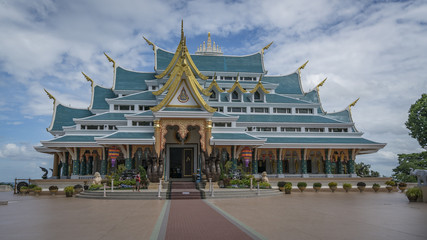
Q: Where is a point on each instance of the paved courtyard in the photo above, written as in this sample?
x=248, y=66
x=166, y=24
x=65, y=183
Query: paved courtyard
x=306, y=215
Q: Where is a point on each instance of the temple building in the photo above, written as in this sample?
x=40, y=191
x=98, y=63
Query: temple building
x=200, y=111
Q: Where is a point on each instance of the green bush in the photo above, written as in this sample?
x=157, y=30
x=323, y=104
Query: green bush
x=32, y=186
x=288, y=186
x=317, y=184
x=281, y=184
x=332, y=184
x=302, y=184
x=402, y=184
x=346, y=185
x=390, y=183
x=53, y=188
x=414, y=192
x=95, y=187
x=24, y=188
x=361, y=184
x=264, y=185
x=69, y=189
x=375, y=185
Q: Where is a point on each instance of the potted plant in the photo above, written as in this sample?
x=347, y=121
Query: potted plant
x=361, y=186
x=53, y=190
x=37, y=190
x=288, y=188
x=281, y=185
x=413, y=194
x=69, y=191
x=78, y=188
x=31, y=188
x=346, y=186
x=402, y=186
x=317, y=186
x=333, y=186
x=376, y=187
x=23, y=190
x=302, y=186
x=390, y=185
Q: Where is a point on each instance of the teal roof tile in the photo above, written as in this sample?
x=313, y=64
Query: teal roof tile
x=233, y=136
x=129, y=80
x=146, y=95
x=284, y=118
x=251, y=63
x=343, y=116
x=107, y=116
x=64, y=116
x=224, y=97
x=288, y=84
x=311, y=96
x=275, y=98
x=74, y=138
x=131, y=135
x=99, y=96
x=146, y=113
x=319, y=140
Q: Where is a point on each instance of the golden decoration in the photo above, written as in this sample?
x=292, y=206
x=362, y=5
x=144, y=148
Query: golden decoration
x=214, y=84
x=302, y=66
x=182, y=124
x=150, y=43
x=321, y=83
x=265, y=48
x=88, y=79
x=110, y=60
x=237, y=85
x=353, y=103
x=259, y=85
x=50, y=96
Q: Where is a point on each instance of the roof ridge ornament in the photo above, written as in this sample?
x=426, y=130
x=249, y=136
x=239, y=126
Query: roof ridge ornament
x=260, y=85
x=150, y=43
x=88, y=79
x=302, y=67
x=50, y=96
x=209, y=49
x=353, y=103
x=110, y=60
x=265, y=48
x=321, y=84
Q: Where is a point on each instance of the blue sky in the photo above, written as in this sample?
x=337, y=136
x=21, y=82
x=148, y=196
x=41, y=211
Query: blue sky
x=375, y=51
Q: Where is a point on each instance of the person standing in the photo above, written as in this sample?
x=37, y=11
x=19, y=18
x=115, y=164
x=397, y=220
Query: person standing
x=137, y=182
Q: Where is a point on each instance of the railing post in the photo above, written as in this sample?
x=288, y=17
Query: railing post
x=251, y=185
x=105, y=189
x=210, y=185
x=258, y=190
x=160, y=188
x=112, y=185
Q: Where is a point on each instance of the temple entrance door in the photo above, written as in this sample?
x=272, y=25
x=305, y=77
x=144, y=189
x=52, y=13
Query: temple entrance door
x=181, y=161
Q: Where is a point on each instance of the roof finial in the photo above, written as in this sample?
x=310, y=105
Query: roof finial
x=182, y=30
x=265, y=48
x=88, y=79
x=150, y=43
x=260, y=77
x=302, y=66
x=50, y=96
x=321, y=83
x=353, y=103
x=112, y=61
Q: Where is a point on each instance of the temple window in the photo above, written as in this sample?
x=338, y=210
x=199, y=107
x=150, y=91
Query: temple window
x=124, y=107
x=144, y=108
x=290, y=129
x=236, y=109
x=235, y=95
x=220, y=109
x=314, y=129
x=213, y=96
x=257, y=96
x=112, y=127
x=222, y=124
x=249, y=78
x=259, y=110
x=249, y=129
x=304, y=110
x=338, y=129
x=266, y=129
x=282, y=110
x=141, y=123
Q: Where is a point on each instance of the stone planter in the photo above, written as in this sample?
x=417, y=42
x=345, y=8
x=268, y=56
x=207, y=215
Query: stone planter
x=361, y=188
x=376, y=189
x=412, y=199
x=68, y=194
x=347, y=189
x=288, y=191
x=53, y=192
x=78, y=190
x=23, y=191
x=333, y=188
x=316, y=188
x=37, y=192
x=402, y=189
x=301, y=189
x=389, y=188
x=281, y=189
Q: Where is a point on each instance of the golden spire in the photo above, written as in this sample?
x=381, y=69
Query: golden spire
x=88, y=79
x=50, y=96
x=353, y=103
x=150, y=43
x=321, y=83
x=265, y=48
x=302, y=66
x=110, y=60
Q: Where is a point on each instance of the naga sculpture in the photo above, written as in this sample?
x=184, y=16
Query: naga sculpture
x=45, y=172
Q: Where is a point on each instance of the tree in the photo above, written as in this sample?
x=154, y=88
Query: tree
x=364, y=170
x=408, y=161
x=417, y=120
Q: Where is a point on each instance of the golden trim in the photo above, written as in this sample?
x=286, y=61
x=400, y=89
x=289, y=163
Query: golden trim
x=259, y=85
x=150, y=43
x=171, y=64
x=321, y=83
x=353, y=103
x=173, y=75
x=302, y=66
x=50, y=96
x=214, y=84
x=110, y=60
x=88, y=79
x=265, y=48
x=237, y=84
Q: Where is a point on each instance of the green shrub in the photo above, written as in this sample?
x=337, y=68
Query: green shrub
x=302, y=184
x=402, y=184
x=361, y=184
x=375, y=185
x=264, y=185
x=69, y=189
x=346, y=185
x=390, y=183
x=288, y=186
x=317, y=184
x=37, y=188
x=414, y=192
x=281, y=184
x=332, y=184
x=24, y=188
x=53, y=188
x=32, y=186
x=95, y=187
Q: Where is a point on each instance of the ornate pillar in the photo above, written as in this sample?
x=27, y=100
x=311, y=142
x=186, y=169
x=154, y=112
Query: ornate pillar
x=65, y=165
x=157, y=136
x=104, y=162
x=340, y=166
x=351, y=157
x=55, y=165
x=279, y=162
x=76, y=167
x=234, y=159
x=208, y=135
x=128, y=161
x=303, y=162
x=328, y=161
x=255, y=161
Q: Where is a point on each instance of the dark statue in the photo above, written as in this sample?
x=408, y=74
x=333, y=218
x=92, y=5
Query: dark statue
x=45, y=172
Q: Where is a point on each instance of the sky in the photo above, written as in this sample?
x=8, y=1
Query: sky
x=375, y=50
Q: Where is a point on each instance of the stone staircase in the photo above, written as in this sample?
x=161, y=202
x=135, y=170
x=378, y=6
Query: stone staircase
x=184, y=190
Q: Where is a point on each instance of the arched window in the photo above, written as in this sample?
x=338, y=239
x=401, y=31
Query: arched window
x=213, y=96
x=235, y=95
x=257, y=96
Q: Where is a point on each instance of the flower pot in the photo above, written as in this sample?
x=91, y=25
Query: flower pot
x=333, y=188
x=78, y=190
x=23, y=191
x=361, y=188
x=316, y=189
x=53, y=192
x=376, y=189
x=346, y=189
x=402, y=189
x=412, y=198
x=288, y=191
x=68, y=194
x=301, y=189
x=281, y=189
x=389, y=188
x=37, y=192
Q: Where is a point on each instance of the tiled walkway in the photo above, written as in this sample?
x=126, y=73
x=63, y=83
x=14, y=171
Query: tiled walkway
x=194, y=219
